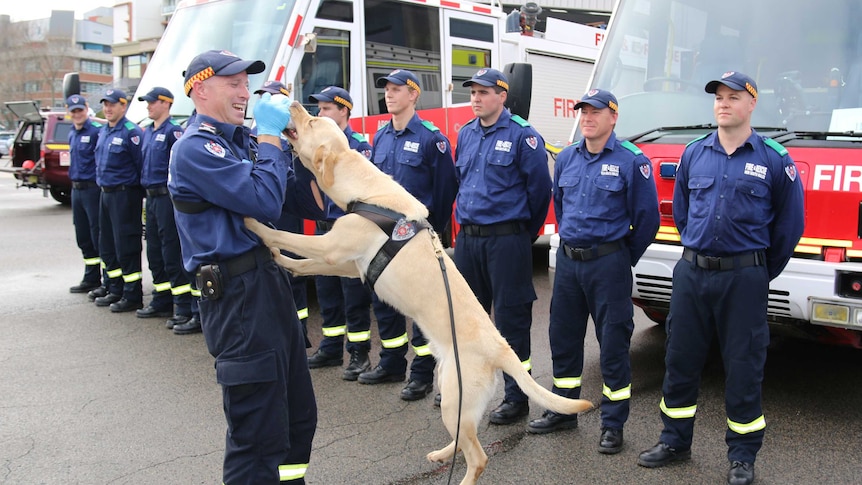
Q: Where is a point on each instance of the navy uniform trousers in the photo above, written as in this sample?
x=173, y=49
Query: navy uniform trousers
x=601, y=287
x=344, y=303
x=732, y=305
x=499, y=270
x=392, y=327
x=256, y=338
x=120, y=240
x=165, y=257
x=85, y=217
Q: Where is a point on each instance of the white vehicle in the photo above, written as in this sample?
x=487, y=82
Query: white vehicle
x=311, y=44
x=657, y=58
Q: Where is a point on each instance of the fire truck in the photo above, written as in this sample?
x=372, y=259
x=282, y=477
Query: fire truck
x=807, y=61
x=311, y=44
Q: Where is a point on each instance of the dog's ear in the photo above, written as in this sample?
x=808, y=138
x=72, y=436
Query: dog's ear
x=324, y=161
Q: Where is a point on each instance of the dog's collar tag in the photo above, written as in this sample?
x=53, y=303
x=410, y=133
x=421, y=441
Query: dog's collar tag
x=403, y=230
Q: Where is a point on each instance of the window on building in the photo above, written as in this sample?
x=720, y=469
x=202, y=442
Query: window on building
x=31, y=66
x=32, y=86
x=134, y=66
x=95, y=67
x=91, y=88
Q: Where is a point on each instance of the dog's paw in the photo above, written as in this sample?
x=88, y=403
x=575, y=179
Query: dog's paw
x=439, y=456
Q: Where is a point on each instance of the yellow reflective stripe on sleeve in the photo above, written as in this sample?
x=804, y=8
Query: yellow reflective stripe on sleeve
x=196, y=293
x=618, y=395
x=160, y=287
x=92, y=261
x=678, y=413
x=528, y=364
x=394, y=343
x=291, y=472
x=359, y=336
x=422, y=350
x=745, y=428
x=567, y=382
x=302, y=313
x=182, y=289
x=334, y=331
x=115, y=273
x=131, y=278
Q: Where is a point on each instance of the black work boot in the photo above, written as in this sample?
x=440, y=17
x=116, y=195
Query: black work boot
x=359, y=363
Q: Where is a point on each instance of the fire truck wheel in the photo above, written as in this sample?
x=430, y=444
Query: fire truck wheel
x=61, y=195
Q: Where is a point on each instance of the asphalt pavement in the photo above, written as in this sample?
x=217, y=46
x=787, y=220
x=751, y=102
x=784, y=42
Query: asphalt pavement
x=91, y=397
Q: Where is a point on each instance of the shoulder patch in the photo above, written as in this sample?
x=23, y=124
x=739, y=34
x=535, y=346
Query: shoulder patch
x=96, y=124
x=697, y=139
x=778, y=147
x=130, y=126
x=520, y=121
x=631, y=147
x=208, y=128
x=359, y=138
x=430, y=126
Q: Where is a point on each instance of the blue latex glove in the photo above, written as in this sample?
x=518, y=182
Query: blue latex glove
x=272, y=115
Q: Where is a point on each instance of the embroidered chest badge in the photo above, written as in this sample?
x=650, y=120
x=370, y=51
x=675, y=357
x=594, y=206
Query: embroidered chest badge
x=403, y=230
x=215, y=148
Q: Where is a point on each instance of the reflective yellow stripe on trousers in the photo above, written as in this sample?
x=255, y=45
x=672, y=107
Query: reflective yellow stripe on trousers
x=131, y=278
x=334, y=331
x=92, y=261
x=359, y=336
x=422, y=350
x=567, y=382
x=678, y=413
x=394, y=343
x=745, y=428
x=287, y=473
x=618, y=395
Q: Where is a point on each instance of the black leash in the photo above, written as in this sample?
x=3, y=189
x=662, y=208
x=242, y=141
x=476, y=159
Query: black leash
x=457, y=361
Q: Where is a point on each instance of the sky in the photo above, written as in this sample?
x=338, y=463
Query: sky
x=39, y=9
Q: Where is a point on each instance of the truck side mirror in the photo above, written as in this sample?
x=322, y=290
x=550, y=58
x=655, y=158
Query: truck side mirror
x=71, y=84
x=520, y=77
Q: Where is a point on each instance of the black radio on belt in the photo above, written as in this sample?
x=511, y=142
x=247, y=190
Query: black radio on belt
x=210, y=281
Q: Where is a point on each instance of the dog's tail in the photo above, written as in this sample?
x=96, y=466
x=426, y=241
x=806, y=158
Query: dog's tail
x=510, y=364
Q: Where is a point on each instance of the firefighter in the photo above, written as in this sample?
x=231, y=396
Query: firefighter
x=249, y=319
x=418, y=157
x=607, y=211
x=118, y=173
x=738, y=206
x=503, y=198
x=345, y=303
x=172, y=289
x=85, y=192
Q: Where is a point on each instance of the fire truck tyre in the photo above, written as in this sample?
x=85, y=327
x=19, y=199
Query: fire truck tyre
x=61, y=195
x=658, y=84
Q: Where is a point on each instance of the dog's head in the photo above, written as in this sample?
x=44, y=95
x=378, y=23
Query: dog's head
x=318, y=142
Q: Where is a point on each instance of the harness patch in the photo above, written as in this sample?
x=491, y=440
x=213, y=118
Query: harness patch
x=403, y=230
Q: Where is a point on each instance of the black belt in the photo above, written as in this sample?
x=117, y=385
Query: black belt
x=246, y=261
x=324, y=226
x=723, y=263
x=592, y=252
x=157, y=191
x=501, y=229
x=84, y=184
x=115, y=188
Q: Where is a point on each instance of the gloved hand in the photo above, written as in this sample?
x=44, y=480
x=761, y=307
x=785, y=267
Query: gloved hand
x=272, y=115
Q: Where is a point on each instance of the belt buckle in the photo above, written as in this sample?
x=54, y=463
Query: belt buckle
x=713, y=262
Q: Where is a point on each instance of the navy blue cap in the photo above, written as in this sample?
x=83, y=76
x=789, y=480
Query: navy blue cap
x=115, y=96
x=333, y=94
x=736, y=81
x=273, y=87
x=488, y=77
x=599, y=98
x=76, y=101
x=157, y=94
x=400, y=77
x=218, y=63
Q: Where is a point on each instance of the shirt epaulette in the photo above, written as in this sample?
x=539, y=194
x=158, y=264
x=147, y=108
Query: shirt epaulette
x=697, y=139
x=471, y=121
x=174, y=122
x=778, y=147
x=96, y=124
x=359, y=138
x=520, y=121
x=130, y=126
x=208, y=128
x=631, y=147
x=384, y=126
x=430, y=126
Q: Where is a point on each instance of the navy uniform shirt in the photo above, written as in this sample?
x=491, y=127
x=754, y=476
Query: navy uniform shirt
x=420, y=159
x=118, y=154
x=82, y=151
x=360, y=144
x=212, y=163
x=731, y=204
x=607, y=196
x=503, y=174
x=157, y=151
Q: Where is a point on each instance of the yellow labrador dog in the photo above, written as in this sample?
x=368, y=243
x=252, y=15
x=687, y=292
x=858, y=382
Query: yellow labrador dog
x=412, y=282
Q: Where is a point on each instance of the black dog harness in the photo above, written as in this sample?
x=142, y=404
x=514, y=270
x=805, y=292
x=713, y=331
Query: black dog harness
x=395, y=224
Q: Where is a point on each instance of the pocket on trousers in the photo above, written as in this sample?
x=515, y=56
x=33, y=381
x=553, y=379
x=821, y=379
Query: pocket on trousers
x=252, y=402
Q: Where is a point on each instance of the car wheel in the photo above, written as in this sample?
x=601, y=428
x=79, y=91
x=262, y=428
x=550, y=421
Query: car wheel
x=61, y=195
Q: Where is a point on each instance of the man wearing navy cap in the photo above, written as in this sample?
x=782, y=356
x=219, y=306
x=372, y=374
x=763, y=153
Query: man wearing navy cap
x=737, y=204
x=606, y=206
x=503, y=196
x=85, y=193
x=418, y=157
x=172, y=289
x=345, y=303
x=118, y=173
x=248, y=317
